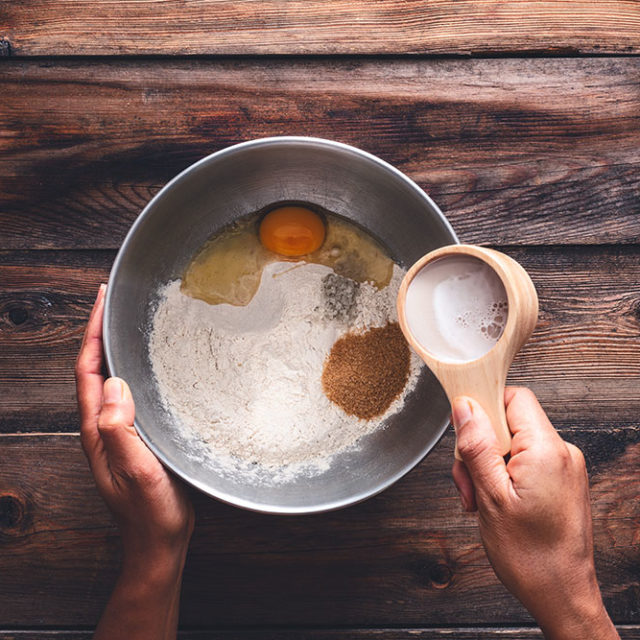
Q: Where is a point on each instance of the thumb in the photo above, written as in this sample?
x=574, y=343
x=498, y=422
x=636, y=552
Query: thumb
x=478, y=446
x=126, y=452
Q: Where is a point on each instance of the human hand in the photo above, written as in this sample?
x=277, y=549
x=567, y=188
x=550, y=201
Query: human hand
x=151, y=507
x=534, y=515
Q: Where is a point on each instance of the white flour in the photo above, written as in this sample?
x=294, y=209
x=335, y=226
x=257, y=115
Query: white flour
x=244, y=383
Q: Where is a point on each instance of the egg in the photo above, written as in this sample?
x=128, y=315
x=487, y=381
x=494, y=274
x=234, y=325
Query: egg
x=292, y=231
x=228, y=267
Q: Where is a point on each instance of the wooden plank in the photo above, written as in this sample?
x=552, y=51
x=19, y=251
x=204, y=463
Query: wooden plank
x=523, y=633
x=533, y=151
x=582, y=361
x=408, y=557
x=98, y=27
x=44, y=305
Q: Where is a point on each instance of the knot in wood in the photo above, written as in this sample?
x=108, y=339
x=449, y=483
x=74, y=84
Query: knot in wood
x=12, y=513
x=18, y=315
x=26, y=312
x=440, y=575
x=433, y=572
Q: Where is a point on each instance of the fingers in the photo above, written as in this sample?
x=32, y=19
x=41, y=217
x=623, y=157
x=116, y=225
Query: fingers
x=464, y=485
x=528, y=421
x=524, y=411
x=126, y=453
x=90, y=357
x=89, y=377
x=479, y=448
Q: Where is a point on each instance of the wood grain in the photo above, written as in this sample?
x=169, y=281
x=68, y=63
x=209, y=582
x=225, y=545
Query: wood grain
x=626, y=632
x=408, y=557
x=582, y=361
x=529, y=155
x=172, y=27
x=533, y=151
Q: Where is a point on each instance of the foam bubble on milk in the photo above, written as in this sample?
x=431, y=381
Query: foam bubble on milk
x=456, y=308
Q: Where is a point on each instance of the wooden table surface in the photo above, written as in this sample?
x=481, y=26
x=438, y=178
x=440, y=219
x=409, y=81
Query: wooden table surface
x=521, y=119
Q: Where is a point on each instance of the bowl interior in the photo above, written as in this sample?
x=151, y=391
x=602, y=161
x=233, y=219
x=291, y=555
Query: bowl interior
x=212, y=193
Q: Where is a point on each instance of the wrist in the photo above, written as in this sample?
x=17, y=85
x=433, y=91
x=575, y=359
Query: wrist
x=144, y=603
x=157, y=565
x=584, y=618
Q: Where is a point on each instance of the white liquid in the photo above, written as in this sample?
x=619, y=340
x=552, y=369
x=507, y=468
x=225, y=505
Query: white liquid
x=456, y=308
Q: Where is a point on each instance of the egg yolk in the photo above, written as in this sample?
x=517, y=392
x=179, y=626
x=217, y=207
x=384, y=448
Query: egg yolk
x=292, y=231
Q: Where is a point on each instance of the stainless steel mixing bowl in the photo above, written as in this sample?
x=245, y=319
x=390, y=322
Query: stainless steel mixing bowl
x=210, y=194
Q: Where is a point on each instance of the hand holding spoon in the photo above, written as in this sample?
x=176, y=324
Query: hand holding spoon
x=467, y=311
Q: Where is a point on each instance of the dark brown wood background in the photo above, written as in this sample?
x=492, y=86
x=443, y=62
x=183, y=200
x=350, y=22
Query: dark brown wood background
x=521, y=119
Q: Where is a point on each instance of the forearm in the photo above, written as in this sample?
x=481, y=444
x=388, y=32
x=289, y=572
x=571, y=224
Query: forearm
x=583, y=617
x=145, y=602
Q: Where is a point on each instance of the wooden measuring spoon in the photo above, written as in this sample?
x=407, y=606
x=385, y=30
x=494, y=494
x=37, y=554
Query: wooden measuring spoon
x=482, y=379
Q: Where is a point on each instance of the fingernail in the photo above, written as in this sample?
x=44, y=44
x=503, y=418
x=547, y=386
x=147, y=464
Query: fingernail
x=113, y=390
x=461, y=412
x=101, y=291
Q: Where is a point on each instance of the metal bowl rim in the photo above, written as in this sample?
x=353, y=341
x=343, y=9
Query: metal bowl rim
x=217, y=155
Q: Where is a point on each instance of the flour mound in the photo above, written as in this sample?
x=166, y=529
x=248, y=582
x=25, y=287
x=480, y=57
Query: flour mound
x=243, y=384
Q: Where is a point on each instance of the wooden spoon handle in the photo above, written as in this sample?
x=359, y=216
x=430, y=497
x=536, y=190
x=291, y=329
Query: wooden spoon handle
x=487, y=389
x=482, y=379
x=498, y=419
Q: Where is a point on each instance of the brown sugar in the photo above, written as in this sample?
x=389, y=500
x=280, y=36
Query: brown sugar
x=365, y=372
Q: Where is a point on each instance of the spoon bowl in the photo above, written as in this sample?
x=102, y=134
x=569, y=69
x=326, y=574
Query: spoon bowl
x=482, y=378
